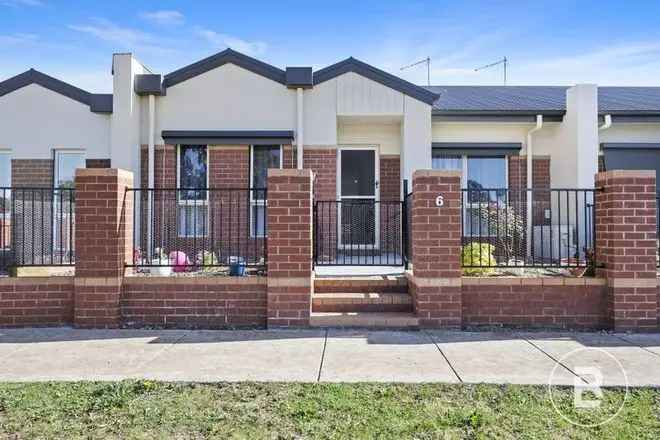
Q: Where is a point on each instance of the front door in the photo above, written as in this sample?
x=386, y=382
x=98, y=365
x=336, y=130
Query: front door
x=358, y=193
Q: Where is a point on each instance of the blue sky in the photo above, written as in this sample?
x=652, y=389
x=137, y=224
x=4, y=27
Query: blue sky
x=556, y=42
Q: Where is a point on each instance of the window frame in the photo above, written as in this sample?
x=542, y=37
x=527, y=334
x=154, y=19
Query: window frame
x=7, y=193
x=191, y=203
x=464, y=183
x=259, y=202
x=8, y=153
x=56, y=155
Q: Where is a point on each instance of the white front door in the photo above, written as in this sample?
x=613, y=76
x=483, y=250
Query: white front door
x=357, y=191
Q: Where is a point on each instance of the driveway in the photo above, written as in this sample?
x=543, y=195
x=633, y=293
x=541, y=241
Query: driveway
x=328, y=356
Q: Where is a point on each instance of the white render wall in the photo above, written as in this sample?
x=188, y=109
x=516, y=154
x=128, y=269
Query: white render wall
x=125, y=141
x=35, y=120
x=385, y=136
x=625, y=132
x=416, y=135
x=226, y=98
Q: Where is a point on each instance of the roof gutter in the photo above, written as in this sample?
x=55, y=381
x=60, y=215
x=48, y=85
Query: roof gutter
x=530, y=154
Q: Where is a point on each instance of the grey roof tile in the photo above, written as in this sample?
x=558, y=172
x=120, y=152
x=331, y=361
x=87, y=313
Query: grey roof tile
x=499, y=98
x=628, y=99
x=539, y=98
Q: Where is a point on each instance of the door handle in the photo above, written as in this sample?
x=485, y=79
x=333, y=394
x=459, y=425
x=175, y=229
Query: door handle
x=377, y=183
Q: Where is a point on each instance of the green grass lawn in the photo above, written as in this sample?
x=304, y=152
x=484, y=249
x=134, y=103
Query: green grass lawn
x=248, y=410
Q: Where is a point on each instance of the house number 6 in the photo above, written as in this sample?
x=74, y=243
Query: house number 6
x=440, y=201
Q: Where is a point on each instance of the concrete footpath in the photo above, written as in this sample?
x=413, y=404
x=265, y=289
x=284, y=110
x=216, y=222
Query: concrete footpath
x=327, y=356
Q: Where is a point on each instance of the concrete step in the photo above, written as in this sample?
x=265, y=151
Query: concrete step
x=361, y=284
x=364, y=320
x=361, y=302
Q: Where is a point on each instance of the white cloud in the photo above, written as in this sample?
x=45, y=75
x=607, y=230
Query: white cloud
x=124, y=37
x=18, y=39
x=252, y=48
x=164, y=17
x=633, y=63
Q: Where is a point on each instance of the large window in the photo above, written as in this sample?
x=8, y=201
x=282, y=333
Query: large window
x=66, y=163
x=5, y=169
x=5, y=198
x=485, y=176
x=192, y=178
x=262, y=158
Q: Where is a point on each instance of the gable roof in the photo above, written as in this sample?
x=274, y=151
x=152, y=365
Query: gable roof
x=219, y=59
x=98, y=103
x=394, y=82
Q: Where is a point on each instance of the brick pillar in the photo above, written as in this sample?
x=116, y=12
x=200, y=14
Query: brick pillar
x=103, y=240
x=289, y=213
x=435, y=280
x=626, y=247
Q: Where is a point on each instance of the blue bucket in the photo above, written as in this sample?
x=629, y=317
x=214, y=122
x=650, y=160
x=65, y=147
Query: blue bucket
x=236, y=266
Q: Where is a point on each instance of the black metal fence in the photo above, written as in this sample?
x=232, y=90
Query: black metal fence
x=37, y=227
x=190, y=229
x=358, y=232
x=407, y=228
x=500, y=231
x=657, y=225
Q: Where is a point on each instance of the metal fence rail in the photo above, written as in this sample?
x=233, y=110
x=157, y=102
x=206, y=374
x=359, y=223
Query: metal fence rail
x=37, y=227
x=194, y=228
x=407, y=228
x=657, y=225
x=358, y=232
x=498, y=230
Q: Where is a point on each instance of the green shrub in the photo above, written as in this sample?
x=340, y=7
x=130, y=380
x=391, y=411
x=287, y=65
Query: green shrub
x=207, y=259
x=477, y=254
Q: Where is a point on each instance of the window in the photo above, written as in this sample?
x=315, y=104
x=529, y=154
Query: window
x=66, y=163
x=5, y=198
x=479, y=173
x=192, y=176
x=5, y=169
x=262, y=157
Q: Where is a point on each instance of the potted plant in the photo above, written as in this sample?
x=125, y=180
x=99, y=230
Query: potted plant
x=236, y=266
x=160, y=263
x=207, y=260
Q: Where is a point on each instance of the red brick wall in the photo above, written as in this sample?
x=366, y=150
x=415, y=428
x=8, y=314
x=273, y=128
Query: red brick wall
x=323, y=161
x=626, y=247
x=567, y=303
x=32, y=172
x=103, y=237
x=36, y=302
x=165, y=166
x=518, y=172
x=194, y=302
x=390, y=177
x=435, y=283
x=289, y=247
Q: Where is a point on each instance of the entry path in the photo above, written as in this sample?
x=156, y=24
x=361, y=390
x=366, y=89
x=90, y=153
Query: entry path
x=322, y=355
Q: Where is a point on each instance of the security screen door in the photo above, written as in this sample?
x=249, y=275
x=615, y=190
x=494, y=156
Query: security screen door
x=358, y=225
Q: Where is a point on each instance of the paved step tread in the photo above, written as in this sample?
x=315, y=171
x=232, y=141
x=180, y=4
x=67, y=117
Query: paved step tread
x=360, y=296
x=364, y=320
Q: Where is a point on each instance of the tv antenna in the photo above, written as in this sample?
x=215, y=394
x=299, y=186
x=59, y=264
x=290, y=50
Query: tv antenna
x=426, y=60
x=504, y=63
